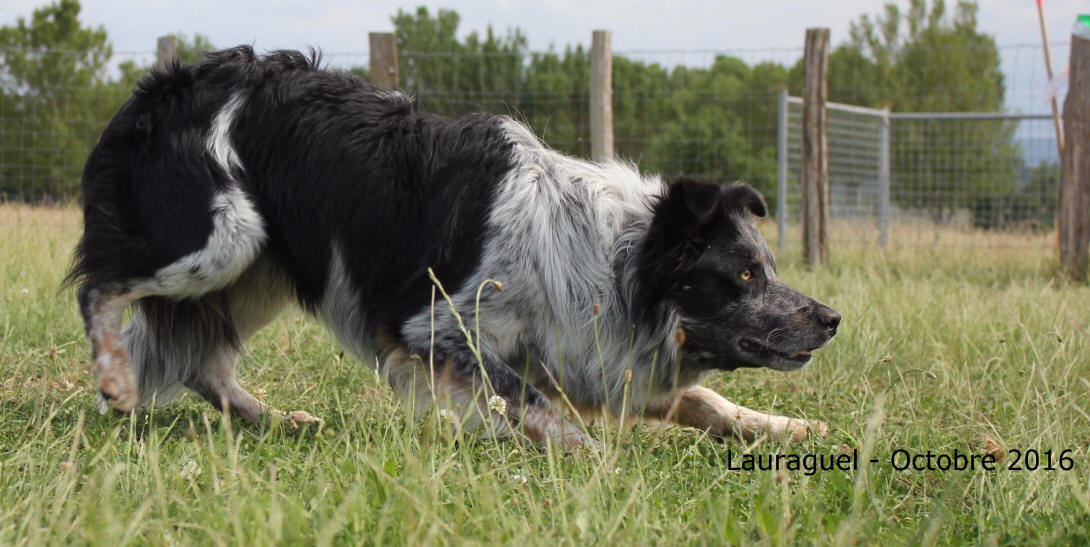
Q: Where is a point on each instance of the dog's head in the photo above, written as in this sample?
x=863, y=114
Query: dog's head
x=704, y=257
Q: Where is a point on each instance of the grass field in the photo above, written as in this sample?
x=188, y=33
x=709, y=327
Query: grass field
x=940, y=349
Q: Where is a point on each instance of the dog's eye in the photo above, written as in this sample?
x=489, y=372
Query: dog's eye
x=747, y=275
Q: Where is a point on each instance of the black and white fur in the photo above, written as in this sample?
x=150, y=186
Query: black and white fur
x=223, y=191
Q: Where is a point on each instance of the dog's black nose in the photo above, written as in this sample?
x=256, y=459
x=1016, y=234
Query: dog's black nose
x=820, y=314
x=828, y=317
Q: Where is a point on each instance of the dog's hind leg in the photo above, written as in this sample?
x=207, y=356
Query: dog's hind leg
x=236, y=238
x=704, y=409
x=102, y=310
x=218, y=385
x=166, y=214
x=251, y=303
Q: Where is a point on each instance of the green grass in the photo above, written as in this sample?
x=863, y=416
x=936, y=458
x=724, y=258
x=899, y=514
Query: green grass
x=940, y=349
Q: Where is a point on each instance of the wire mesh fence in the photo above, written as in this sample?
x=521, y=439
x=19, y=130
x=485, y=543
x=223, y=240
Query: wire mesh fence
x=707, y=114
x=930, y=177
x=540, y=89
x=54, y=105
x=969, y=170
x=855, y=148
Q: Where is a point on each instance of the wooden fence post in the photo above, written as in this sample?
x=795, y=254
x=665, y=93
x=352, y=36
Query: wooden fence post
x=781, y=170
x=166, y=49
x=383, y=59
x=601, y=95
x=1073, y=218
x=815, y=148
x=883, y=178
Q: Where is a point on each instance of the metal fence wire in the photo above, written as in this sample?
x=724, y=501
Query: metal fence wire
x=950, y=178
x=970, y=169
x=927, y=177
x=51, y=117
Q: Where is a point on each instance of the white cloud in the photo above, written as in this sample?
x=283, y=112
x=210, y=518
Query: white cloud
x=638, y=24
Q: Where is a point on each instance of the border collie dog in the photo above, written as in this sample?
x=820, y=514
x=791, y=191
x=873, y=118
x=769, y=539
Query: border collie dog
x=225, y=190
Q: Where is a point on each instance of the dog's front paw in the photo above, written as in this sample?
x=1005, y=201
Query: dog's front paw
x=578, y=442
x=819, y=428
x=543, y=424
x=299, y=417
x=799, y=429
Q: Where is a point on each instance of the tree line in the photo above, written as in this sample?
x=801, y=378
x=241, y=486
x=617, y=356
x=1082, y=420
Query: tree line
x=717, y=122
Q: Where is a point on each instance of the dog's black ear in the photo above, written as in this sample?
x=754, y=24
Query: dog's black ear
x=699, y=201
x=743, y=196
x=676, y=239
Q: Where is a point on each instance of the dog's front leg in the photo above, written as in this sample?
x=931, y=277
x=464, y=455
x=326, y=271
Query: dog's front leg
x=704, y=409
x=522, y=403
x=483, y=381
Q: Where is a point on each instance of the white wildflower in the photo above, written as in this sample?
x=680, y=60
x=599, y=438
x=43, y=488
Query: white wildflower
x=518, y=479
x=448, y=415
x=190, y=470
x=497, y=404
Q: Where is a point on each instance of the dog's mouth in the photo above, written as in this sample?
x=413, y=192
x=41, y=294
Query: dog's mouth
x=760, y=350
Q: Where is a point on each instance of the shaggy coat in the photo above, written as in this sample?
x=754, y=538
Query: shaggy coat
x=461, y=257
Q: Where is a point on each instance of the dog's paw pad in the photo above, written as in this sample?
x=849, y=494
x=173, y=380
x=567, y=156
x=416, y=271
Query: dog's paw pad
x=798, y=430
x=117, y=389
x=578, y=444
x=121, y=401
x=299, y=417
x=819, y=428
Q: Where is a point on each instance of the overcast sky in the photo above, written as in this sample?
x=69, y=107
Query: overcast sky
x=681, y=26
x=637, y=25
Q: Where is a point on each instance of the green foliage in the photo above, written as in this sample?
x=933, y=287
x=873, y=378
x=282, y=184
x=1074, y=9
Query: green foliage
x=192, y=48
x=57, y=94
x=1033, y=206
x=452, y=76
x=555, y=100
x=54, y=99
x=927, y=61
x=720, y=123
x=717, y=123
